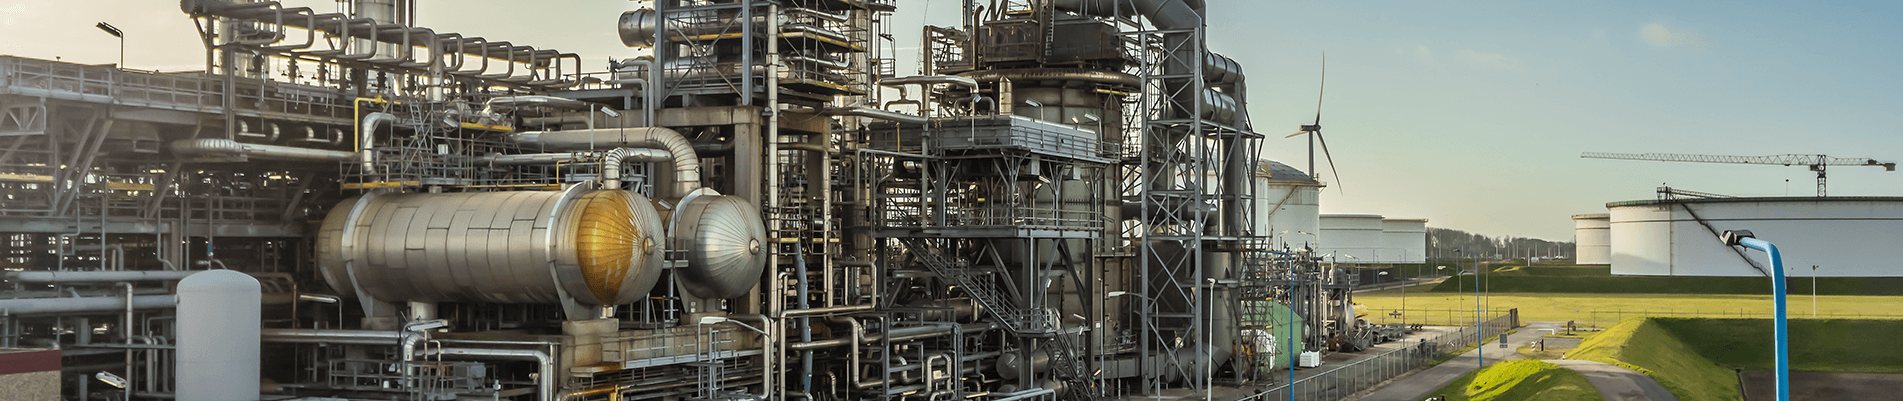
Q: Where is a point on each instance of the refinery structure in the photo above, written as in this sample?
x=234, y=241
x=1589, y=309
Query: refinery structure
x=1067, y=203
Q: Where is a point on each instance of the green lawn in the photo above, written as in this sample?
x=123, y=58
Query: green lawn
x=1587, y=280
x=1521, y=380
x=1858, y=346
x=1607, y=309
x=1644, y=345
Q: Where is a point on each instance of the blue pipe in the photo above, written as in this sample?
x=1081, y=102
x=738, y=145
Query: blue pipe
x=806, y=326
x=1779, y=329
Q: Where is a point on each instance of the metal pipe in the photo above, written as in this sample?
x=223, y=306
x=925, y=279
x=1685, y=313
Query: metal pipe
x=869, y=112
x=520, y=101
x=686, y=164
x=545, y=381
x=366, y=135
x=611, y=162
x=230, y=148
x=84, y=305
x=829, y=310
x=73, y=277
x=905, y=334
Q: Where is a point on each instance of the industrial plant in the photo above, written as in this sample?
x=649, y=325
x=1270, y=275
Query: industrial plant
x=752, y=203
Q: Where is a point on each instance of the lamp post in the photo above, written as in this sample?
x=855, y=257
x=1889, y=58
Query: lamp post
x=1480, y=337
x=1813, y=291
x=1780, y=332
x=115, y=32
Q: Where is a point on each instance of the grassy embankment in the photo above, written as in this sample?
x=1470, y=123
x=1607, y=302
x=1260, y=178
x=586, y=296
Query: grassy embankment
x=1643, y=345
x=1521, y=380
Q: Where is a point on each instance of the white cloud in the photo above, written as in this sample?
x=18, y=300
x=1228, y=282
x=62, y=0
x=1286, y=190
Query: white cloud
x=1490, y=60
x=1658, y=35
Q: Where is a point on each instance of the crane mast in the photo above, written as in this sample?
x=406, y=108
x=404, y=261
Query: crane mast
x=1817, y=163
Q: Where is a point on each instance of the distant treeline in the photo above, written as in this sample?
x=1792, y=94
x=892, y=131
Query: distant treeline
x=1442, y=242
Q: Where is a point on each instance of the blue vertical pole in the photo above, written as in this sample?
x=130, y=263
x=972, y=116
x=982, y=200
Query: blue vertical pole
x=1480, y=336
x=1779, y=330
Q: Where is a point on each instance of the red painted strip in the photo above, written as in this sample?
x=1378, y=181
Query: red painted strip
x=29, y=361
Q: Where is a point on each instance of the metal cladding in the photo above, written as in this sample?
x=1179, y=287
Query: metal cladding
x=218, y=326
x=1593, y=236
x=726, y=245
x=599, y=247
x=1680, y=237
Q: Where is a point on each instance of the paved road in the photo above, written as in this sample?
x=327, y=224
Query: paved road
x=1418, y=385
x=1617, y=383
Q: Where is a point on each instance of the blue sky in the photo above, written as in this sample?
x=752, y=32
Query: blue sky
x=1470, y=114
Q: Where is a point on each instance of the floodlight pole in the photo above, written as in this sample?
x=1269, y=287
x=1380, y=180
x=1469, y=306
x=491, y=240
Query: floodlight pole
x=1780, y=331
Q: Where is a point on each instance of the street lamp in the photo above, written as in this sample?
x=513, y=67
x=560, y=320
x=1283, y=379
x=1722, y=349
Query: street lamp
x=115, y=32
x=1813, y=291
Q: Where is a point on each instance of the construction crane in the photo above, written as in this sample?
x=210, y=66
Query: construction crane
x=1816, y=162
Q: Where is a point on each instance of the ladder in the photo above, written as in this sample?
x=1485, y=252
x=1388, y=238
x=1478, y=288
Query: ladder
x=1022, y=322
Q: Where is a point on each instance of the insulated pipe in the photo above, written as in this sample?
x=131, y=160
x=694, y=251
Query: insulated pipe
x=111, y=303
x=611, y=163
x=75, y=277
x=515, y=102
x=367, y=135
x=1005, y=99
x=545, y=382
x=869, y=112
x=858, y=337
x=227, y=148
x=686, y=163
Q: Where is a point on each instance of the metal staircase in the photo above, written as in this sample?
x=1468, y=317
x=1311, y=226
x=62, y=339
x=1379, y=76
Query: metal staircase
x=1034, y=323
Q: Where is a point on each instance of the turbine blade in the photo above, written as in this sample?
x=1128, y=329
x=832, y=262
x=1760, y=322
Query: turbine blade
x=1331, y=160
x=1295, y=134
x=1322, y=91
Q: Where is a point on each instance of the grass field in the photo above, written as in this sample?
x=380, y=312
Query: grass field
x=1600, y=310
x=1644, y=345
x=1857, y=346
x=1521, y=380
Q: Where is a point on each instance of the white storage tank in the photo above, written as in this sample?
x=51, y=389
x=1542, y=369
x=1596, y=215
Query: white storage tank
x=1352, y=238
x=1843, y=236
x=218, y=326
x=1287, y=200
x=1403, y=241
x=1592, y=238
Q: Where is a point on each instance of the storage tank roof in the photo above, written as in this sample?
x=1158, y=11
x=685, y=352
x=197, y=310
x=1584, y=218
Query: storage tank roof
x=1398, y=219
x=1791, y=199
x=1275, y=170
x=1351, y=216
x=1592, y=216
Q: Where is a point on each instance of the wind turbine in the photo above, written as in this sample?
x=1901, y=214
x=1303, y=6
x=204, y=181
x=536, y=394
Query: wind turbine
x=1316, y=129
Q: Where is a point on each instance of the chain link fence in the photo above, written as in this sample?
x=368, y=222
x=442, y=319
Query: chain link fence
x=1340, y=382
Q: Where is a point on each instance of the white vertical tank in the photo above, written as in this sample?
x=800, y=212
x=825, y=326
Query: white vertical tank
x=1844, y=236
x=1286, y=199
x=1403, y=241
x=218, y=336
x=1352, y=238
x=1592, y=238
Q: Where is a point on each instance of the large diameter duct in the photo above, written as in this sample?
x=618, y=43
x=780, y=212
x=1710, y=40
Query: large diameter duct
x=596, y=247
x=686, y=163
x=226, y=148
x=367, y=136
x=637, y=28
x=726, y=243
x=218, y=324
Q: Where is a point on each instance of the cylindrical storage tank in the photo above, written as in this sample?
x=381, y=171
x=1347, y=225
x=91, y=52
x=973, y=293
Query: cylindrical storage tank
x=218, y=325
x=726, y=245
x=1592, y=238
x=1356, y=235
x=600, y=247
x=1403, y=241
x=1842, y=236
x=1288, y=204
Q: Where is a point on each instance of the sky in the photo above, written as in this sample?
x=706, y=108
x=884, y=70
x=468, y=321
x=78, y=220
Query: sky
x=1471, y=114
